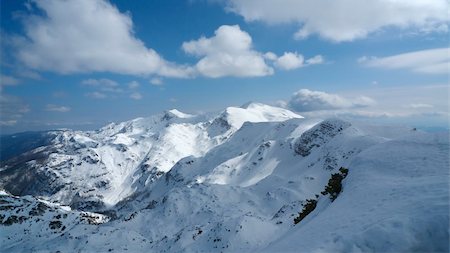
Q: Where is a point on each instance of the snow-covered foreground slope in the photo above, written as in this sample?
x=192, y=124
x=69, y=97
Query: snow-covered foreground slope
x=395, y=199
x=235, y=182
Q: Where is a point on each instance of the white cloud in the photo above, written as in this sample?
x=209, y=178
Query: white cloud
x=270, y=56
x=306, y=100
x=84, y=36
x=425, y=105
x=228, y=53
x=133, y=85
x=346, y=20
x=136, y=95
x=88, y=36
x=56, y=108
x=431, y=61
x=96, y=95
x=318, y=59
x=292, y=60
x=156, y=81
x=289, y=61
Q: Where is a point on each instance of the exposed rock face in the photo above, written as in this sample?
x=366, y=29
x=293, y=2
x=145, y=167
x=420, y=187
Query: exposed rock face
x=319, y=135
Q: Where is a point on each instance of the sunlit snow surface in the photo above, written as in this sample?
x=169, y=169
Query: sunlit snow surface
x=231, y=182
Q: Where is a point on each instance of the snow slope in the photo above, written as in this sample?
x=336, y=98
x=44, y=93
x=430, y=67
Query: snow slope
x=234, y=182
x=395, y=199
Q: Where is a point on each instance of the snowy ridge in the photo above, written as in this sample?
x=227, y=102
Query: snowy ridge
x=234, y=181
x=255, y=112
x=95, y=170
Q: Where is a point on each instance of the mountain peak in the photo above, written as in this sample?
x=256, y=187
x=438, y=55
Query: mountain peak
x=176, y=113
x=257, y=112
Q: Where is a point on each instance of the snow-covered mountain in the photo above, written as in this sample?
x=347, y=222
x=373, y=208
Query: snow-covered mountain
x=232, y=181
x=95, y=170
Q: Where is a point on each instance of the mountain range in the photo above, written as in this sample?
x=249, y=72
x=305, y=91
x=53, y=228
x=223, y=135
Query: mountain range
x=255, y=178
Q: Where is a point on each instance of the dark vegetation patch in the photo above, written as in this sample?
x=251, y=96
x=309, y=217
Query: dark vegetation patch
x=308, y=207
x=38, y=210
x=13, y=219
x=333, y=188
x=56, y=224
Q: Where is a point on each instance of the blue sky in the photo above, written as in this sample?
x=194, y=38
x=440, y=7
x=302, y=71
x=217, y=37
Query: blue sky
x=82, y=64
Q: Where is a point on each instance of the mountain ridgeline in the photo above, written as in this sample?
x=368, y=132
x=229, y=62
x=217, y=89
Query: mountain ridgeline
x=251, y=178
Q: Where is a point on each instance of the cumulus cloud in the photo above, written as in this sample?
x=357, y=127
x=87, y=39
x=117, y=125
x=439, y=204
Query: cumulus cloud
x=228, y=53
x=84, y=36
x=87, y=36
x=306, y=100
x=424, y=105
x=431, y=61
x=56, y=108
x=289, y=61
x=294, y=60
x=270, y=56
x=346, y=20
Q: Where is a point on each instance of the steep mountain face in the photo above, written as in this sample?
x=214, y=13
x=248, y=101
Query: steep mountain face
x=95, y=170
x=230, y=182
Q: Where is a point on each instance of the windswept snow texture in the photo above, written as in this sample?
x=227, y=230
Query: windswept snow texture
x=228, y=182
